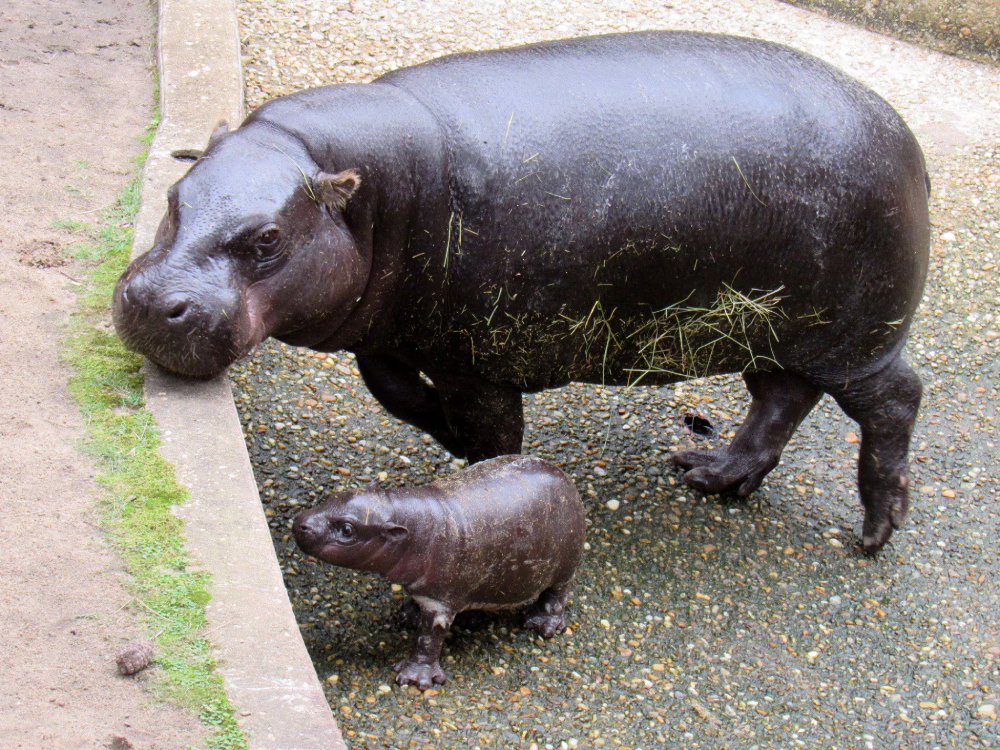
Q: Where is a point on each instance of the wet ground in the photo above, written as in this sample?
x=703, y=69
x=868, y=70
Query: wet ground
x=699, y=622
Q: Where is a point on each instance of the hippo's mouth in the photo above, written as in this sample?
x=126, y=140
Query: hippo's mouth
x=195, y=359
x=187, y=339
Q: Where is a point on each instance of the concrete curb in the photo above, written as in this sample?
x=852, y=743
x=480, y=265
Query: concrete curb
x=268, y=674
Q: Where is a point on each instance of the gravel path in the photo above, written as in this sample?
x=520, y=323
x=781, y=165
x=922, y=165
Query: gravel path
x=698, y=622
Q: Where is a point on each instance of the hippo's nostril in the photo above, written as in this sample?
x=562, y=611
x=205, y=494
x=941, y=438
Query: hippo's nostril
x=177, y=312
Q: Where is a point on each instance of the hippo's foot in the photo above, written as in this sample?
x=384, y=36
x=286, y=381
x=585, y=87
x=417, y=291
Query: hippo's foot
x=722, y=470
x=410, y=672
x=781, y=400
x=885, y=406
x=547, y=616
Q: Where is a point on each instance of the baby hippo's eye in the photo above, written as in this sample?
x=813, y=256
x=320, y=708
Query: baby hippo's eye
x=267, y=242
x=345, y=532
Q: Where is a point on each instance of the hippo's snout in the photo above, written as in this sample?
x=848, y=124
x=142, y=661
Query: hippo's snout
x=197, y=331
x=311, y=529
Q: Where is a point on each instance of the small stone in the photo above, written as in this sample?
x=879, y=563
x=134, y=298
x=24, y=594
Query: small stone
x=948, y=493
x=835, y=543
x=396, y=588
x=613, y=504
x=987, y=711
x=135, y=656
x=852, y=437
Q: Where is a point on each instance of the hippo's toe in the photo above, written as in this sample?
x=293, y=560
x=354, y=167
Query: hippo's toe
x=409, y=672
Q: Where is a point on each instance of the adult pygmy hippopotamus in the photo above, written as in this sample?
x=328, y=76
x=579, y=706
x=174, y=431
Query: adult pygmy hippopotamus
x=504, y=534
x=621, y=209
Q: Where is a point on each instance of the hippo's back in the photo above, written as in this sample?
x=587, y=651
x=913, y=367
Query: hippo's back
x=636, y=172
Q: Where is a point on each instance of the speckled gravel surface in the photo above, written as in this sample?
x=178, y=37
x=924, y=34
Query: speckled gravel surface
x=696, y=622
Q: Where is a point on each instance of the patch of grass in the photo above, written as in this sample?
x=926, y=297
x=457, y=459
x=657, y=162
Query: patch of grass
x=73, y=225
x=140, y=486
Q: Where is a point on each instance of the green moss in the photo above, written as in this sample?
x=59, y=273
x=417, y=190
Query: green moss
x=140, y=486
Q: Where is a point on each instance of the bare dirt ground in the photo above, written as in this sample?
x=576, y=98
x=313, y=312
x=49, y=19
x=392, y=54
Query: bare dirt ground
x=75, y=93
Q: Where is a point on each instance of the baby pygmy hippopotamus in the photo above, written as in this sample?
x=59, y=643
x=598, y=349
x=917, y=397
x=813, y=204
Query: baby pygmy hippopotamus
x=503, y=534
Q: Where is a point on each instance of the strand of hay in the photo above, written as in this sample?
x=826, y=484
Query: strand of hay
x=682, y=341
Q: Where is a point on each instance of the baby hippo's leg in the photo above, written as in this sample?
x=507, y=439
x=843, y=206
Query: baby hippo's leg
x=547, y=616
x=421, y=667
x=409, y=615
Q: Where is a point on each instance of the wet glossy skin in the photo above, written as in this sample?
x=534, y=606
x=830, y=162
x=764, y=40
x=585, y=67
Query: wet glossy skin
x=640, y=207
x=506, y=533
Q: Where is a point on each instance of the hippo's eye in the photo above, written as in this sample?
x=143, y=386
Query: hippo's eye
x=345, y=532
x=267, y=242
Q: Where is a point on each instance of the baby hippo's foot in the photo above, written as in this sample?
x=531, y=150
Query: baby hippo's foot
x=547, y=616
x=410, y=672
x=545, y=625
x=723, y=469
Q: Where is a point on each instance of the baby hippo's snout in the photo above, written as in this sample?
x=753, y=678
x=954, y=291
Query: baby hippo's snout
x=310, y=529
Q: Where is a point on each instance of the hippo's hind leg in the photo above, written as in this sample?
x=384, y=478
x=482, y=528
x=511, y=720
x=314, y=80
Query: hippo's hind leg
x=781, y=400
x=547, y=616
x=421, y=667
x=487, y=418
x=885, y=406
x=406, y=396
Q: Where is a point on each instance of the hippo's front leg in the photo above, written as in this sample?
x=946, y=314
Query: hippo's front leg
x=487, y=418
x=405, y=395
x=421, y=667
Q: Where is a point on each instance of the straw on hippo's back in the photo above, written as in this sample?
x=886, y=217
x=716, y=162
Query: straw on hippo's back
x=649, y=206
x=505, y=534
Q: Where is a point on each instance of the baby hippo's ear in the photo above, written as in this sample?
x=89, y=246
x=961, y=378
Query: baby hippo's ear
x=334, y=190
x=394, y=533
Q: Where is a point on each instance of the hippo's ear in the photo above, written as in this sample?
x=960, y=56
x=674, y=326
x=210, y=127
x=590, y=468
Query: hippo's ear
x=220, y=132
x=394, y=533
x=334, y=190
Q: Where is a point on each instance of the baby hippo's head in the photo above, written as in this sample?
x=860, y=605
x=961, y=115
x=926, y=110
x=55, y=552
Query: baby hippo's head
x=352, y=529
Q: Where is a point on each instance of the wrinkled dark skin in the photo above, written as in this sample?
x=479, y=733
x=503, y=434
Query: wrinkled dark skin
x=524, y=218
x=505, y=534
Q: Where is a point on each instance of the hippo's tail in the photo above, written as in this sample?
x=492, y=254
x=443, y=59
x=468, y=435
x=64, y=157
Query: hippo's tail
x=927, y=182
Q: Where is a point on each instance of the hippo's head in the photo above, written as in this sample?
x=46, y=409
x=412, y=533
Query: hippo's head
x=353, y=529
x=253, y=244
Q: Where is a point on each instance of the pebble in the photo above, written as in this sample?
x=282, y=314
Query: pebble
x=613, y=504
